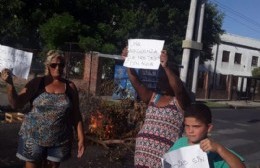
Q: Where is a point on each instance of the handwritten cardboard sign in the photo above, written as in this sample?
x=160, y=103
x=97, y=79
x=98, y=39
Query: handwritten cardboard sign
x=144, y=53
x=186, y=157
x=17, y=60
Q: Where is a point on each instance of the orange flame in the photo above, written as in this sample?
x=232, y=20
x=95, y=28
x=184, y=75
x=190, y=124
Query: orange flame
x=101, y=125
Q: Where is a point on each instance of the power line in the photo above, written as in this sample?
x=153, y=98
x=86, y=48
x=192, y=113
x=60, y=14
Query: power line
x=246, y=18
x=237, y=17
x=234, y=19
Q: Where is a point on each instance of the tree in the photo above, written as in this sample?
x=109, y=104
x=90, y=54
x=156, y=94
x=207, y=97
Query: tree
x=256, y=72
x=103, y=25
x=115, y=23
x=212, y=29
x=11, y=24
x=59, y=29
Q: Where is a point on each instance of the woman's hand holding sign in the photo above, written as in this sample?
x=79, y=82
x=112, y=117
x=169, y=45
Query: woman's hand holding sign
x=164, y=58
x=6, y=75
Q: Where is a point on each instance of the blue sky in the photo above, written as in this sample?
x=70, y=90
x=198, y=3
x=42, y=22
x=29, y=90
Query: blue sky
x=242, y=17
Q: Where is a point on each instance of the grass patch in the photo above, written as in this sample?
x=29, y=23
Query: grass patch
x=216, y=104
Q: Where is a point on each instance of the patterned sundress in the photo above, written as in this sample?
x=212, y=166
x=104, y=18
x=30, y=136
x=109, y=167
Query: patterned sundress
x=47, y=124
x=161, y=128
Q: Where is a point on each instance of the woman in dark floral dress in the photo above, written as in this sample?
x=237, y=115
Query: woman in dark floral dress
x=163, y=123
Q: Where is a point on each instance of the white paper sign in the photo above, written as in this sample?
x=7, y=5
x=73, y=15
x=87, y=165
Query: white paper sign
x=144, y=53
x=186, y=157
x=17, y=60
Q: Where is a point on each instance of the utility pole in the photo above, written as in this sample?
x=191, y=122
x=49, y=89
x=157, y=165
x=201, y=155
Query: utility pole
x=188, y=40
x=189, y=44
x=198, y=36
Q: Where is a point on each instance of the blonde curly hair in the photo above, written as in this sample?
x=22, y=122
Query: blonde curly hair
x=50, y=55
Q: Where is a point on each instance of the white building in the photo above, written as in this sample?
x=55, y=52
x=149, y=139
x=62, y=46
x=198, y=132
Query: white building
x=235, y=55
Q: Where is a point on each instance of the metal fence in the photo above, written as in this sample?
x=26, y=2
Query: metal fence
x=227, y=87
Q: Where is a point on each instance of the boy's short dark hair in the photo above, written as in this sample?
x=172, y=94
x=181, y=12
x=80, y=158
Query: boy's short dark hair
x=200, y=112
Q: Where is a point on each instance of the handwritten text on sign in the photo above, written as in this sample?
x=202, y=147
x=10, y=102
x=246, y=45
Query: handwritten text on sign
x=17, y=60
x=186, y=157
x=144, y=53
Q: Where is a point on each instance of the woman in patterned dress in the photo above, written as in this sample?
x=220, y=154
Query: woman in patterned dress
x=46, y=133
x=163, y=123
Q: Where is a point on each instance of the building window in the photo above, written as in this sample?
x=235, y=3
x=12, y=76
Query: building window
x=237, y=58
x=254, y=61
x=225, y=56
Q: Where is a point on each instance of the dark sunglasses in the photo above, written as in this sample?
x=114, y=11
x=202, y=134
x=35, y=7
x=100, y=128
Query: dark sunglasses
x=54, y=65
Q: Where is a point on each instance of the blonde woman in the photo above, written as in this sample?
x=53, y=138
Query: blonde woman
x=46, y=133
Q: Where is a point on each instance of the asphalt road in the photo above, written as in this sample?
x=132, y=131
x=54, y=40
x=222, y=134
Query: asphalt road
x=237, y=129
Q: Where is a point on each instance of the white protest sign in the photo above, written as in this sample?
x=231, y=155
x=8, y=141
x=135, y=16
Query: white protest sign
x=144, y=53
x=186, y=157
x=17, y=60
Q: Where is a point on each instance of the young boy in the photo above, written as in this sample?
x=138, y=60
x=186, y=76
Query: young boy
x=197, y=122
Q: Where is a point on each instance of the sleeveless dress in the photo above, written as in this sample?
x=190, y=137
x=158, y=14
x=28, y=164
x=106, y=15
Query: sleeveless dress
x=47, y=124
x=161, y=128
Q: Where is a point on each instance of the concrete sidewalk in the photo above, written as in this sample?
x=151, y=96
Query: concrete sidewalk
x=227, y=103
x=240, y=104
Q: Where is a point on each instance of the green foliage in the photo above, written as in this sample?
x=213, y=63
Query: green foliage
x=108, y=48
x=212, y=29
x=103, y=26
x=89, y=43
x=11, y=24
x=256, y=72
x=59, y=29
